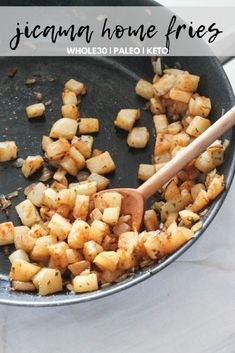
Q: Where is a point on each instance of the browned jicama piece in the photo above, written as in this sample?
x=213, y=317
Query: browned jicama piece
x=79, y=266
x=69, y=97
x=87, y=283
x=48, y=281
x=23, y=240
x=126, y=118
x=23, y=271
x=40, y=251
x=87, y=188
x=164, y=85
x=107, y=260
x=83, y=144
x=59, y=226
x=178, y=95
x=46, y=141
x=138, y=137
x=151, y=221
x=8, y=151
x=91, y=249
x=35, y=193
x=144, y=89
x=64, y=127
x=88, y=125
x=160, y=123
x=6, y=233
x=73, y=161
x=108, y=199
x=70, y=111
x=28, y=213
x=156, y=106
x=19, y=254
x=186, y=82
x=197, y=126
x=35, y=110
x=79, y=234
x=31, y=164
x=57, y=149
x=100, y=180
x=23, y=286
x=145, y=171
x=199, y=105
x=101, y=164
x=81, y=207
x=75, y=86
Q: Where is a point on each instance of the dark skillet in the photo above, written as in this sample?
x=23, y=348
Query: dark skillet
x=111, y=83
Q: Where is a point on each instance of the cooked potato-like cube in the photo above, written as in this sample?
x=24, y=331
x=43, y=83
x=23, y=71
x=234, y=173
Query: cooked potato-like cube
x=87, y=283
x=6, y=233
x=59, y=174
x=70, y=165
x=28, y=213
x=91, y=249
x=172, y=191
x=186, y=82
x=40, y=252
x=69, y=97
x=87, y=189
x=200, y=202
x=23, y=271
x=164, y=85
x=195, y=189
x=151, y=221
x=37, y=231
x=22, y=239
x=73, y=256
x=101, y=181
x=171, y=218
x=81, y=207
x=144, y=89
x=23, y=286
x=95, y=215
x=59, y=226
x=79, y=234
x=35, y=110
x=197, y=126
x=64, y=127
x=19, y=254
x=75, y=86
x=128, y=241
x=138, y=137
x=57, y=149
x=199, y=106
x=46, y=213
x=163, y=143
x=216, y=187
x=156, y=106
x=98, y=231
x=205, y=162
x=181, y=139
x=83, y=144
x=46, y=141
x=161, y=158
x=31, y=164
x=101, y=164
x=126, y=260
x=108, y=199
x=67, y=197
x=88, y=125
x=70, y=111
x=78, y=267
x=111, y=215
x=175, y=128
x=107, y=260
x=178, y=95
x=159, y=244
x=145, y=171
x=48, y=281
x=161, y=123
x=126, y=118
x=50, y=198
x=175, y=72
x=35, y=194
x=189, y=217
x=58, y=254
x=8, y=151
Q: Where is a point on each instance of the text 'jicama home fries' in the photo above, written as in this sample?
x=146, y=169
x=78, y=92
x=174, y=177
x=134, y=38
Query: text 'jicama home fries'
x=72, y=239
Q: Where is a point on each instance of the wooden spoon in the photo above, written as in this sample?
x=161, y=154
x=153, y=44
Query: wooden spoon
x=134, y=199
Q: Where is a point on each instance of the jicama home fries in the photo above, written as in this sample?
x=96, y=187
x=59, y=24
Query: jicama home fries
x=72, y=240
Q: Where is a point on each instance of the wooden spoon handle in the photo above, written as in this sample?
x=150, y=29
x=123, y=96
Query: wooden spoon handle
x=187, y=154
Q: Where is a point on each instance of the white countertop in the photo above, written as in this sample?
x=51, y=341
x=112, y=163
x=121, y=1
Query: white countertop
x=187, y=308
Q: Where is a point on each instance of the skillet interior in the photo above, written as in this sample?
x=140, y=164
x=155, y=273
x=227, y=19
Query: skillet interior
x=110, y=84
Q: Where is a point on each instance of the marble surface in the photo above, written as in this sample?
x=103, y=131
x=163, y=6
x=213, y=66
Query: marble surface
x=187, y=308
